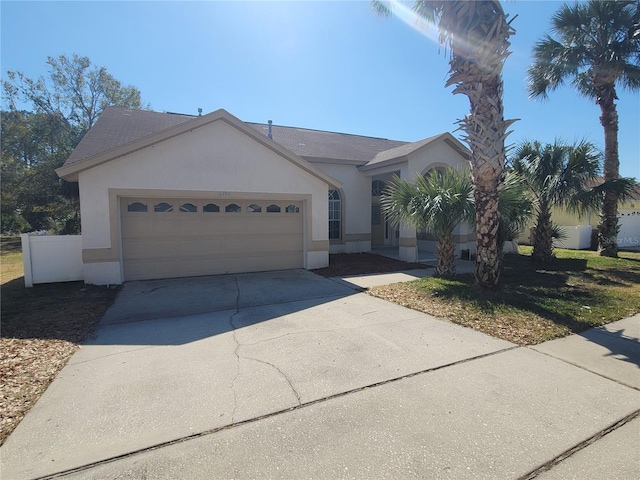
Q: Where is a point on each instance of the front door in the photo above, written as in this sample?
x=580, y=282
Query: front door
x=379, y=226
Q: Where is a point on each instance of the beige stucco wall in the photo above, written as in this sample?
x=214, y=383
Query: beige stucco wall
x=356, y=207
x=437, y=155
x=433, y=155
x=213, y=161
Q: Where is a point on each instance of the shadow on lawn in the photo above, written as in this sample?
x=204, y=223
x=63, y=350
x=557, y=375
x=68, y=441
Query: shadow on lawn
x=563, y=265
x=555, y=291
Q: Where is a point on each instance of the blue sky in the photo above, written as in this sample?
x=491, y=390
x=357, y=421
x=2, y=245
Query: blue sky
x=322, y=65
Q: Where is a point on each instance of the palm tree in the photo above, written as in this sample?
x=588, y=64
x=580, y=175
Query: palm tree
x=443, y=199
x=437, y=202
x=516, y=208
x=557, y=175
x=596, y=46
x=477, y=34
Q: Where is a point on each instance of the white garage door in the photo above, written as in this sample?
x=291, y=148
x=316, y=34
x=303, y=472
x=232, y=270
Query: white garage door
x=165, y=238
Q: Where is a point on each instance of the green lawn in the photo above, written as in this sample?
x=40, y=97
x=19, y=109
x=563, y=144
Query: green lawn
x=579, y=290
x=10, y=259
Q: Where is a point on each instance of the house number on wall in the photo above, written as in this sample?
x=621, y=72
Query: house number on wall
x=224, y=194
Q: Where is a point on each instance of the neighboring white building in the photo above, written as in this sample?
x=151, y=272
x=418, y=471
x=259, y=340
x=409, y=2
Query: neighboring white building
x=167, y=195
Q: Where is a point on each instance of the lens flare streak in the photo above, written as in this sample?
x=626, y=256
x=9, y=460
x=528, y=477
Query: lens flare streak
x=413, y=20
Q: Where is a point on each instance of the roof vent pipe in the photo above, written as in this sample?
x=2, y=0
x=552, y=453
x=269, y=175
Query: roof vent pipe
x=199, y=112
x=270, y=134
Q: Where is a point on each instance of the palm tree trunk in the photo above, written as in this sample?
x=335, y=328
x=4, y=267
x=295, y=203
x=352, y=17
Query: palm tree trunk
x=488, y=264
x=608, y=228
x=543, y=238
x=476, y=71
x=446, y=265
x=485, y=130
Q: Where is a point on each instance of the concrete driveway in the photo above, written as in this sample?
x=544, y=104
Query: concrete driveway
x=291, y=375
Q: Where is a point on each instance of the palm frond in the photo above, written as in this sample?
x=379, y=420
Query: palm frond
x=438, y=201
x=558, y=232
x=516, y=207
x=593, y=44
x=381, y=8
x=591, y=200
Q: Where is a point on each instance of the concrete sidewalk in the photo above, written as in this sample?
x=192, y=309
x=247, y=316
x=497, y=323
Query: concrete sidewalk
x=337, y=384
x=363, y=282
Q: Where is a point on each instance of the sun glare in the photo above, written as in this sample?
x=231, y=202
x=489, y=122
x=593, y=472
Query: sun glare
x=409, y=17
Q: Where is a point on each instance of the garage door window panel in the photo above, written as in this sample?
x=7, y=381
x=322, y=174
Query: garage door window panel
x=293, y=209
x=273, y=208
x=254, y=208
x=137, y=207
x=233, y=208
x=163, y=207
x=211, y=208
x=188, y=208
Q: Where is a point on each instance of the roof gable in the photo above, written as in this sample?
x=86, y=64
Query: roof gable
x=118, y=126
x=399, y=153
x=110, y=135
x=121, y=130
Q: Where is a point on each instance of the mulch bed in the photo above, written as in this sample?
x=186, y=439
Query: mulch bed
x=346, y=264
x=41, y=328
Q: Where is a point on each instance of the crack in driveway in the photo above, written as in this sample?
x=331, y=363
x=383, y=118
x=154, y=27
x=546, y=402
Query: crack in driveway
x=122, y=352
x=236, y=351
x=338, y=329
x=284, y=375
x=240, y=357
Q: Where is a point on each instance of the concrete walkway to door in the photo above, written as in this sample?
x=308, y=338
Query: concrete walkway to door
x=291, y=375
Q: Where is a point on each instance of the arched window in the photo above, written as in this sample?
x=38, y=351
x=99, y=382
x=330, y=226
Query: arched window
x=211, y=208
x=253, y=208
x=163, y=207
x=292, y=209
x=273, y=208
x=232, y=208
x=188, y=207
x=335, y=214
x=439, y=170
x=136, y=207
x=377, y=186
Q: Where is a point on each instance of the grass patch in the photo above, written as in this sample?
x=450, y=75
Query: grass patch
x=535, y=303
x=10, y=259
x=41, y=328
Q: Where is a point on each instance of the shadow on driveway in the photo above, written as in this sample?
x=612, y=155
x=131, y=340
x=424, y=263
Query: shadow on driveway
x=620, y=346
x=183, y=310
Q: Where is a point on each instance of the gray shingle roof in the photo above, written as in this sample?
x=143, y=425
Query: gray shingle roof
x=316, y=144
x=118, y=126
x=402, y=150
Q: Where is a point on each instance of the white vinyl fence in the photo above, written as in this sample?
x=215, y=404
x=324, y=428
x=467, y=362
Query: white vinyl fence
x=575, y=237
x=629, y=221
x=51, y=258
